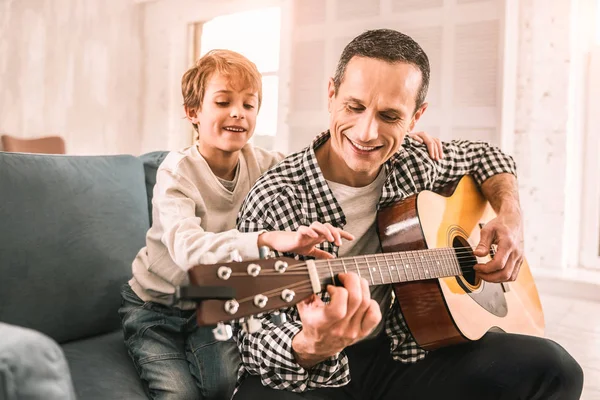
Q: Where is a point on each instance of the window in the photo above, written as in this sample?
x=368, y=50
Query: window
x=598, y=23
x=255, y=34
x=590, y=233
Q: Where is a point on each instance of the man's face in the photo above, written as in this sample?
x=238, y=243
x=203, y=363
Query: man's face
x=370, y=115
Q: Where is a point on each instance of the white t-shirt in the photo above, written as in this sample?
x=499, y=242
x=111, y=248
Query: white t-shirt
x=360, y=208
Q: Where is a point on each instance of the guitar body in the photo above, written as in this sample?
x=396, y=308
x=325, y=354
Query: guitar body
x=446, y=311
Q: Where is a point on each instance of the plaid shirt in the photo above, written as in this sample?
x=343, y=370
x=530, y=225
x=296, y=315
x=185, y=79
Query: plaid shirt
x=295, y=193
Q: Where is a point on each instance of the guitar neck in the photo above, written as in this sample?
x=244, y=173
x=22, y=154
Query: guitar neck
x=385, y=268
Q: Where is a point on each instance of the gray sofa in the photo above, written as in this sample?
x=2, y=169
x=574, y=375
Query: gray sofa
x=70, y=227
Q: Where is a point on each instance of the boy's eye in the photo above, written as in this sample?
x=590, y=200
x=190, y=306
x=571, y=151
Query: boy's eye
x=222, y=103
x=249, y=106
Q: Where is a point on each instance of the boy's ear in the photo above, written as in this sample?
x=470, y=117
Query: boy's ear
x=191, y=114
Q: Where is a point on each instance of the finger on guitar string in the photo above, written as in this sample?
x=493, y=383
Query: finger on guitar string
x=505, y=249
x=502, y=275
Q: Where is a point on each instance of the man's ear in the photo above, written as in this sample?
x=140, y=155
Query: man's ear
x=417, y=115
x=330, y=93
x=191, y=114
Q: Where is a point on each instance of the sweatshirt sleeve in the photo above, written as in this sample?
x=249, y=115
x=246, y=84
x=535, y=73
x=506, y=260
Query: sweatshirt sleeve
x=175, y=199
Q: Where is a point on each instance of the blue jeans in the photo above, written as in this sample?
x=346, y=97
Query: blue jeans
x=32, y=366
x=174, y=357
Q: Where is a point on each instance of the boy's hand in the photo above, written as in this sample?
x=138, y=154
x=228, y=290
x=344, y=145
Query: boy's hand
x=304, y=240
x=434, y=145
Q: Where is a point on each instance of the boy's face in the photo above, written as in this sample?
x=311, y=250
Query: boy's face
x=228, y=116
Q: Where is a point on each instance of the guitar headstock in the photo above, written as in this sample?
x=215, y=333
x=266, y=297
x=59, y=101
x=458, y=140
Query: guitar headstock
x=260, y=286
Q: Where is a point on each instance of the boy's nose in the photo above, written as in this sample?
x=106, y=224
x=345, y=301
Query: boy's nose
x=236, y=113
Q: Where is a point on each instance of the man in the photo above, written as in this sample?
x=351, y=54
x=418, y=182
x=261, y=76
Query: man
x=356, y=346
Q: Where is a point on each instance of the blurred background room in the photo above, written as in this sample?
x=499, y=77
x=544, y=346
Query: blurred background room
x=104, y=76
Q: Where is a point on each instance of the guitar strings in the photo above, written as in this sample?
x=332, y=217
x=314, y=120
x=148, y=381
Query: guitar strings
x=372, y=258
x=335, y=265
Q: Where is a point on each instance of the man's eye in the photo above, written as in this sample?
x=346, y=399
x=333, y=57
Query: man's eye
x=222, y=103
x=355, y=108
x=389, y=118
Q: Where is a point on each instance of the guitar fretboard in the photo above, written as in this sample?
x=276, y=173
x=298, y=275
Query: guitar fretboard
x=384, y=268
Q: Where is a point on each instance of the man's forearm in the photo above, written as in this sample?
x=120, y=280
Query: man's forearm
x=502, y=192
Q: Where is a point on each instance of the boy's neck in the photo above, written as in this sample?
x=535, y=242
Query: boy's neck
x=221, y=163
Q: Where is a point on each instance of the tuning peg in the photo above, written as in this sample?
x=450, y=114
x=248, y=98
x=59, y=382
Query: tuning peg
x=278, y=318
x=235, y=256
x=264, y=252
x=222, y=332
x=251, y=325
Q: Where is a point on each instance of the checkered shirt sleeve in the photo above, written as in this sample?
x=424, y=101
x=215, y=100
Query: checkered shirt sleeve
x=414, y=171
x=273, y=205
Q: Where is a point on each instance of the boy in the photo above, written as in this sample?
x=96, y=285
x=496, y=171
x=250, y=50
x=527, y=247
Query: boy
x=198, y=193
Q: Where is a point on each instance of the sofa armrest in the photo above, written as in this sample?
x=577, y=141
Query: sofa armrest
x=32, y=366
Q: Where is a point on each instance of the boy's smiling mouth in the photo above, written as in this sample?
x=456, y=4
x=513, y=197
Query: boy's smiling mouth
x=234, y=128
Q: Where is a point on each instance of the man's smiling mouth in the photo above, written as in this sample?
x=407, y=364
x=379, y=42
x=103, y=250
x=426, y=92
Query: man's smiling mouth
x=361, y=147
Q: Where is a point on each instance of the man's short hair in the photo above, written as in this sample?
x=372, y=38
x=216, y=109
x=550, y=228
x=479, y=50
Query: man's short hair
x=241, y=72
x=386, y=45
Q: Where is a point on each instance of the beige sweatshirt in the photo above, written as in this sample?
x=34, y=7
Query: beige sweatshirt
x=193, y=214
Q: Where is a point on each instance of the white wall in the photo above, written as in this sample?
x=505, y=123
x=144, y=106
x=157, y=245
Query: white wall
x=72, y=68
x=462, y=38
x=535, y=49
x=548, y=140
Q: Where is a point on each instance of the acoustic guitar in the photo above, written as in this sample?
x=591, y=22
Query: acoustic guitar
x=427, y=242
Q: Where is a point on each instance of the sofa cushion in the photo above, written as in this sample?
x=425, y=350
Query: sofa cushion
x=70, y=227
x=151, y=163
x=102, y=369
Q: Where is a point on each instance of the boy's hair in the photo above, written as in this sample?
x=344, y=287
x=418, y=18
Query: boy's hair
x=242, y=73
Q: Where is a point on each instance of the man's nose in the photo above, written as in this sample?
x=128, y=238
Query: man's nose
x=367, y=129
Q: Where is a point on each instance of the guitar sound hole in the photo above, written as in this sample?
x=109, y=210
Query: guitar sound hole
x=466, y=259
